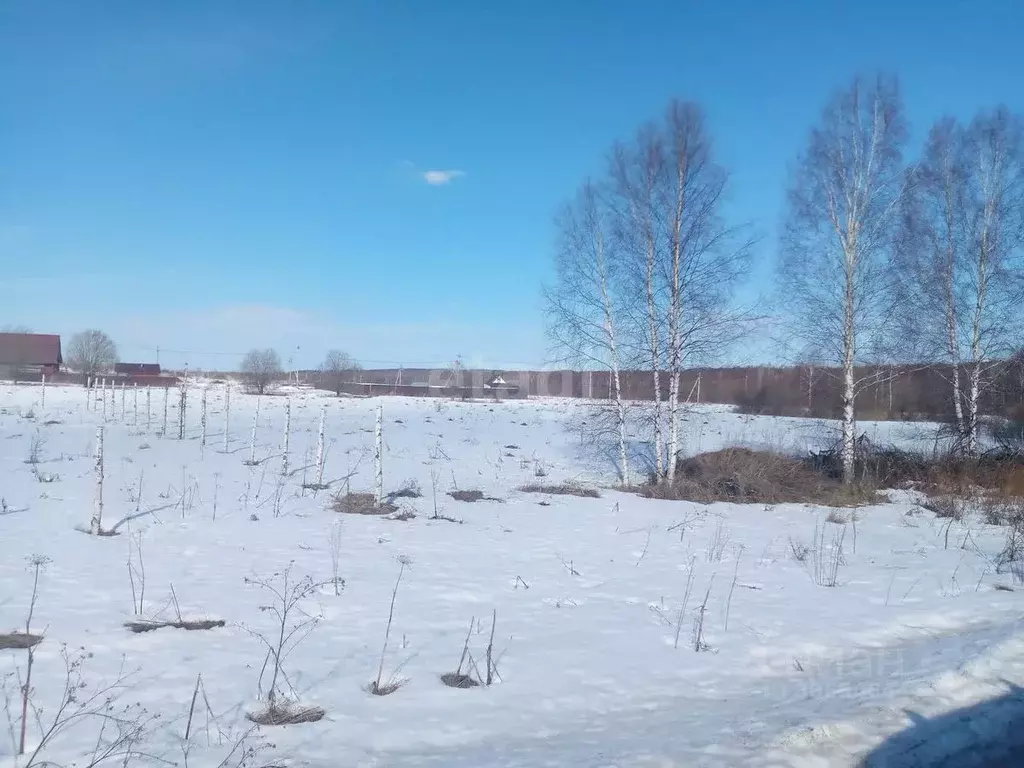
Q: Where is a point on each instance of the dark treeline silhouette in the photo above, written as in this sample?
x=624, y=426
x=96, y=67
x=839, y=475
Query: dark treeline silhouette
x=899, y=392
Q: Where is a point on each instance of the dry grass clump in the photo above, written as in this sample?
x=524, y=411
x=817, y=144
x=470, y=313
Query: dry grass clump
x=564, y=489
x=947, y=507
x=360, y=504
x=147, y=625
x=286, y=713
x=458, y=680
x=19, y=641
x=384, y=689
x=469, y=496
x=410, y=489
x=745, y=476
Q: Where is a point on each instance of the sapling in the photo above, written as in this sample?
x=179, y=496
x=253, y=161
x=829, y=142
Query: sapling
x=163, y=432
x=686, y=599
x=320, y=448
x=202, y=421
x=287, y=436
x=252, y=441
x=149, y=412
x=291, y=625
x=42, y=392
x=376, y=688
x=698, y=622
x=123, y=409
x=135, y=404
x=182, y=396
x=121, y=728
x=335, y=549
x=96, y=523
x=137, y=573
x=227, y=412
x=103, y=394
x=378, y=449
x=37, y=563
x=732, y=587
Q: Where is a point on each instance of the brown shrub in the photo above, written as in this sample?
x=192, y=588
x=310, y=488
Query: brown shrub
x=745, y=476
x=18, y=641
x=565, y=489
x=471, y=496
x=360, y=504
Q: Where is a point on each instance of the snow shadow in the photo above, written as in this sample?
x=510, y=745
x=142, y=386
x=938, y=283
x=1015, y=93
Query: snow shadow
x=989, y=734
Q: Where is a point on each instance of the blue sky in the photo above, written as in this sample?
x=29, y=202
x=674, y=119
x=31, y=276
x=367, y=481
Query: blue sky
x=211, y=176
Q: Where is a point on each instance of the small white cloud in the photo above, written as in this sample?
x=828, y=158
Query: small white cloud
x=439, y=178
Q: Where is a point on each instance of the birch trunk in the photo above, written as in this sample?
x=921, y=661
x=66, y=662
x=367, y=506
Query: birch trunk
x=163, y=432
x=652, y=322
x=42, y=395
x=287, y=436
x=320, y=447
x=252, y=439
x=96, y=523
x=182, y=401
x=202, y=419
x=849, y=384
x=949, y=295
x=103, y=392
x=980, y=307
x=123, y=403
x=135, y=405
x=675, y=315
x=227, y=412
x=613, y=349
x=149, y=410
x=378, y=446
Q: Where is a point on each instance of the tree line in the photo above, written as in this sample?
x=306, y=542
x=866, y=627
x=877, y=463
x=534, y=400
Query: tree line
x=886, y=265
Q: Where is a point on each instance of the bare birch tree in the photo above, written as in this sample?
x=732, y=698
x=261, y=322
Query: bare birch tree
x=686, y=261
x=961, y=266
x=637, y=171
x=844, y=201
x=705, y=258
x=994, y=278
x=581, y=305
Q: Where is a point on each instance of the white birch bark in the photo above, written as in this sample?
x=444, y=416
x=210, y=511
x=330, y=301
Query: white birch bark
x=849, y=356
x=149, y=410
x=182, y=409
x=96, y=522
x=320, y=447
x=202, y=419
x=123, y=403
x=653, y=334
x=104, y=395
x=613, y=351
x=42, y=392
x=163, y=433
x=227, y=412
x=252, y=439
x=135, y=405
x=378, y=450
x=287, y=436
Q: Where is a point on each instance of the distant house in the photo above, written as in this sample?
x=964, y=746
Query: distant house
x=29, y=355
x=137, y=369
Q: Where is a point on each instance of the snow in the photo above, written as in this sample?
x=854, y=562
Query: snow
x=915, y=638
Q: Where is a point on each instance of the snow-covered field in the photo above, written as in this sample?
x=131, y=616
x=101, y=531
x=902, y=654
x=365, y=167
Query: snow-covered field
x=595, y=636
